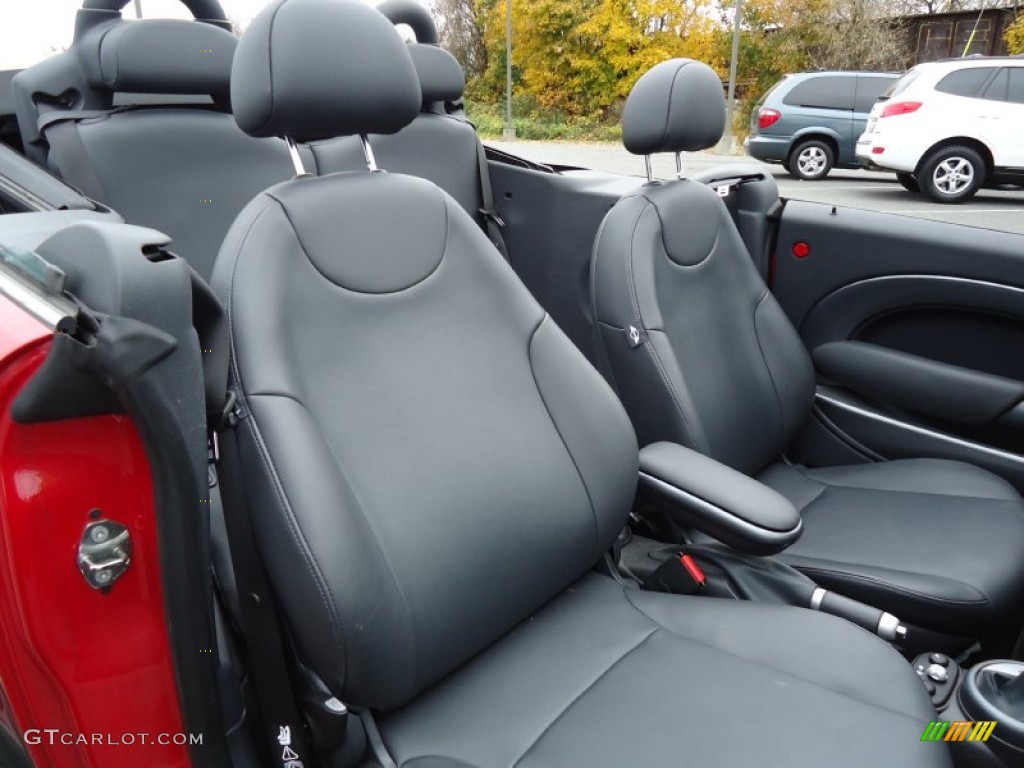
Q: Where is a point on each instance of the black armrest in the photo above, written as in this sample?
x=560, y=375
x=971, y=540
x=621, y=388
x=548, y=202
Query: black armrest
x=918, y=384
x=702, y=493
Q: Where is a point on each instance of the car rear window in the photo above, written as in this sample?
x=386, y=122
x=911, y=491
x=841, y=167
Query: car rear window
x=770, y=92
x=1015, y=93
x=896, y=87
x=823, y=92
x=869, y=89
x=996, y=90
x=965, y=82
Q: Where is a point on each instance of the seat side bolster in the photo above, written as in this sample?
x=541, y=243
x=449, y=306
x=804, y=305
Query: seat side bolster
x=592, y=424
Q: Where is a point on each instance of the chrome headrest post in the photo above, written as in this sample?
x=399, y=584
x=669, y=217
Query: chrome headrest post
x=679, y=165
x=650, y=170
x=371, y=162
x=293, y=150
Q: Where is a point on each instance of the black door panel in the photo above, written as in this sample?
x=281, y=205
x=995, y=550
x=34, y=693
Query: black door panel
x=960, y=321
x=940, y=311
x=845, y=429
x=920, y=385
x=851, y=245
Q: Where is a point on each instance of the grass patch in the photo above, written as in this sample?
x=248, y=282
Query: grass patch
x=489, y=120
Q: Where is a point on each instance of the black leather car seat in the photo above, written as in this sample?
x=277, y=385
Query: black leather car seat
x=433, y=468
x=701, y=354
x=184, y=168
x=181, y=168
x=440, y=144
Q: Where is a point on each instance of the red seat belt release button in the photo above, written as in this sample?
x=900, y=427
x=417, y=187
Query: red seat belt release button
x=693, y=569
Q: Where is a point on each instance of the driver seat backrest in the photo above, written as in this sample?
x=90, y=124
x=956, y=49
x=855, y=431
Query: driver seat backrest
x=381, y=347
x=695, y=344
x=183, y=169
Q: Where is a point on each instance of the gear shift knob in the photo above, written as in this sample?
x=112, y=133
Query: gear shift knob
x=994, y=691
x=1008, y=692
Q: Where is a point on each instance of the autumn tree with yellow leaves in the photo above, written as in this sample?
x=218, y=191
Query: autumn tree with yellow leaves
x=576, y=60
x=581, y=57
x=1015, y=36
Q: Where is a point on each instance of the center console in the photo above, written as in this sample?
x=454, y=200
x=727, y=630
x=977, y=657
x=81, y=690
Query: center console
x=754, y=521
x=979, y=711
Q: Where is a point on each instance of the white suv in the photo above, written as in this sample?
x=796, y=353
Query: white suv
x=948, y=127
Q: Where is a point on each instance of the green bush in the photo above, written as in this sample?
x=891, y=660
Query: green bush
x=532, y=123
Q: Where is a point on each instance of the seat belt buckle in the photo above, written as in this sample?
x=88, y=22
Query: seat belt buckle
x=679, y=575
x=493, y=216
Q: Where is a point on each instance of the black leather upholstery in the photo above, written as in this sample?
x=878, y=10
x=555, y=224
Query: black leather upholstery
x=676, y=106
x=605, y=676
x=430, y=460
x=184, y=170
x=158, y=56
x=701, y=354
x=367, y=86
x=436, y=147
x=433, y=468
x=383, y=366
x=441, y=77
x=720, y=369
x=702, y=493
x=934, y=542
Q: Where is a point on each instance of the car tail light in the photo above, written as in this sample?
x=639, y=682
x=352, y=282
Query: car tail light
x=900, y=108
x=768, y=117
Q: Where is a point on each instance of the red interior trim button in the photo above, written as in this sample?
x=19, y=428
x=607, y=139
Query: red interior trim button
x=693, y=569
x=801, y=250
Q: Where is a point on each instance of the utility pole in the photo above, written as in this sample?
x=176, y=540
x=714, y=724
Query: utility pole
x=138, y=9
x=728, y=140
x=510, y=128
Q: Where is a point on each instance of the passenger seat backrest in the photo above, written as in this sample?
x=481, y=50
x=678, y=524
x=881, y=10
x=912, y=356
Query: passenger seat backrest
x=411, y=416
x=696, y=346
x=436, y=146
x=186, y=170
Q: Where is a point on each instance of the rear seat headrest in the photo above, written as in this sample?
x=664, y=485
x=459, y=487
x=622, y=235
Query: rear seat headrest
x=159, y=56
x=441, y=76
x=676, y=106
x=339, y=68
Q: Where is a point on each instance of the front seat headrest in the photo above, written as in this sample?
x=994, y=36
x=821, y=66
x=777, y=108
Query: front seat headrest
x=316, y=69
x=441, y=76
x=677, y=106
x=159, y=56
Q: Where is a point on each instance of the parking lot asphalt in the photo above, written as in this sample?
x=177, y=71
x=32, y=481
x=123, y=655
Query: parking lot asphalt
x=990, y=209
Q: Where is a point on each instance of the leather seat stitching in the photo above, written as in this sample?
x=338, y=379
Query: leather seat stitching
x=661, y=226
x=649, y=345
x=771, y=377
x=569, y=705
x=310, y=561
x=403, y=289
x=762, y=665
x=554, y=424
